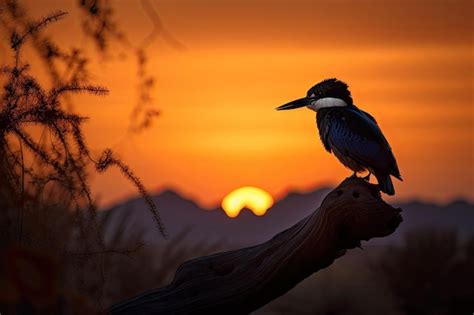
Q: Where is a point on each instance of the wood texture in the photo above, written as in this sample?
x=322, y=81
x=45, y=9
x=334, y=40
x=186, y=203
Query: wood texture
x=243, y=280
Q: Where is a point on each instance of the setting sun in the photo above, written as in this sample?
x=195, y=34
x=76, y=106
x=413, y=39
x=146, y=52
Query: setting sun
x=253, y=198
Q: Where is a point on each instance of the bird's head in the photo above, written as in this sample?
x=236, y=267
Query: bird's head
x=327, y=93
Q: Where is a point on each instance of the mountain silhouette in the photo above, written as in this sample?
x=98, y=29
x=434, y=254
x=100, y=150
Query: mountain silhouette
x=179, y=214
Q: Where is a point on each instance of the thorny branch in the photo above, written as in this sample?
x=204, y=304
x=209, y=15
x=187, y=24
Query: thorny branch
x=61, y=163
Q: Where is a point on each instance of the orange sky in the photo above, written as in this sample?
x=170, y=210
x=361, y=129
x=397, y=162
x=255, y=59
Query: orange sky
x=409, y=63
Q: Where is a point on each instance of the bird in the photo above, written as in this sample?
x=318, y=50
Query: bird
x=350, y=133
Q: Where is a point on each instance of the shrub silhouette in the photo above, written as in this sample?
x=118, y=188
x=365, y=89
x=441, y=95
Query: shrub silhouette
x=48, y=217
x=431, y=273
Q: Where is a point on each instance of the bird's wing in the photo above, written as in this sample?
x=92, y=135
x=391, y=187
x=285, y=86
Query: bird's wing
x=357, y=135
x=368, y=115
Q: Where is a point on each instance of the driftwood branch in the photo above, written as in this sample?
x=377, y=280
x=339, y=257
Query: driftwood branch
x=241, y=281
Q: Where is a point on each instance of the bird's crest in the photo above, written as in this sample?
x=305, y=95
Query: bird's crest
x=331, y=88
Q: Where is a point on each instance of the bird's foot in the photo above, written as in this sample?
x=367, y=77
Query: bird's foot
x=367, y=178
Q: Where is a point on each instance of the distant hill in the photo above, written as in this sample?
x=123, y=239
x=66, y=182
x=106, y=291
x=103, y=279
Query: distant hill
x=457, y=215
x=179, y=213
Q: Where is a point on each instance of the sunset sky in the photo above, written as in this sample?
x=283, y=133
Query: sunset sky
x=408, y=63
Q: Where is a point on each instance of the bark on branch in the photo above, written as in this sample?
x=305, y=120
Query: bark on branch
x=243, y=280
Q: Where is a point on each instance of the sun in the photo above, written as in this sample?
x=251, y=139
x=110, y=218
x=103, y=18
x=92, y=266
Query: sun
x=253, y=198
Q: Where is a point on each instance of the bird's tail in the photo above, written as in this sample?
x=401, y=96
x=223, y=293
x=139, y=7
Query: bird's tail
x=385, y=184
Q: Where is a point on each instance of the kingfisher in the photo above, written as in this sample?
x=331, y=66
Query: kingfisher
x=352, y=134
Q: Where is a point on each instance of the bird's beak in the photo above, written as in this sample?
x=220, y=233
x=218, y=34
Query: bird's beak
x=294, y=104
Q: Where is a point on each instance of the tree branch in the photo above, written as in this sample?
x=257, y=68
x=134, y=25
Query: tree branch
x=243, y=280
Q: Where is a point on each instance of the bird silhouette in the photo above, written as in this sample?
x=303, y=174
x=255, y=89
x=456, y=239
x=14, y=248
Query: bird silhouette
x=352, y=134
